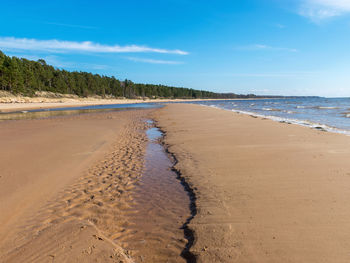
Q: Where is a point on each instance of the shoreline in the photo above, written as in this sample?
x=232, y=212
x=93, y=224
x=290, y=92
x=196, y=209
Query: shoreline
x=303, y=123
x=42, y=103
x=266, y=191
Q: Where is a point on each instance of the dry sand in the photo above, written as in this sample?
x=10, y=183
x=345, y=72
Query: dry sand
x=64, y=183
x=266, y=191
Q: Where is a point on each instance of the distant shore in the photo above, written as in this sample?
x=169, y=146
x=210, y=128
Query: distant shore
x=39, y=103
x=27, y=103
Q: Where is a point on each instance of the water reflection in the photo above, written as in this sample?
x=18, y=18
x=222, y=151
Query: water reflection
x=56, y=112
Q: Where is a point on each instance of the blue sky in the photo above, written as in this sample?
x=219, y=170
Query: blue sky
x=282, y=47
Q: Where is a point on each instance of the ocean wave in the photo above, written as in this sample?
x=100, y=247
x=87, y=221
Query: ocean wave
x=326, y=108
x=304, y=107
x=289, y=111
x=270, y=109
x=318, y=107
x=212, y=106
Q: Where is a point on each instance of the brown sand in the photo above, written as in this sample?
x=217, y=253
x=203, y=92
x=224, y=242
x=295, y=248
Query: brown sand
x=159, y=209
x=54, y=209
x=266, y=191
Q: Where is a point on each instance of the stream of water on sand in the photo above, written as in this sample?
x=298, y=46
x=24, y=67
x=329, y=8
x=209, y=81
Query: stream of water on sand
x=159, y=210
x=160, y=206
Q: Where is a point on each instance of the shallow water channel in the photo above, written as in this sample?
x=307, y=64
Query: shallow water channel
x=159, y=210
x=160, y=206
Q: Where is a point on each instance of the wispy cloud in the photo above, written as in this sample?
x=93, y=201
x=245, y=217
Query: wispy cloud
x=58, y=62
x=53, y=45
x=281, y=26
x=319, y=10
x=257, y=47
x=70, y=25
x=154, y=61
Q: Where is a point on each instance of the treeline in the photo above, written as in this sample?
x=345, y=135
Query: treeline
x=23, y=76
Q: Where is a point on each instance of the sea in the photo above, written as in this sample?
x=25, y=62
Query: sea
x=328, y=114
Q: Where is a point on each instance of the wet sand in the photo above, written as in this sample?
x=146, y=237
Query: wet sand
x=89, y=187
x=265, y=191
x=63, y=183
x=158, y=211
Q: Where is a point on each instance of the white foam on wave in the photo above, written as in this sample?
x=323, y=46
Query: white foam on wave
x=318, y=107
x=326, y=108
x=270, y=109
x=212, y=106
x=305, y=107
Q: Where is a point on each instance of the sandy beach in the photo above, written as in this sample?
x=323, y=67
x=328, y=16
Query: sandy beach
x=59, y=181
x=263, y=191
x=266, y=191
x=175, y=131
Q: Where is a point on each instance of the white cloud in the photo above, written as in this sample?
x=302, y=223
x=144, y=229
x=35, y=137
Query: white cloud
x=154, y=61
x=256, y=47
x=318, y=10
x=53, y=45
x=58, y=62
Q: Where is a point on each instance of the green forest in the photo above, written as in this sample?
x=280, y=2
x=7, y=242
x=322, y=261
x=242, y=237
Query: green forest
x=25, y=77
